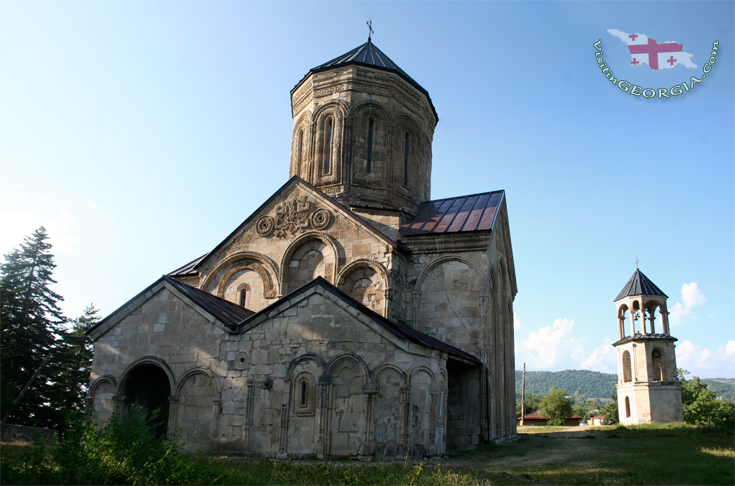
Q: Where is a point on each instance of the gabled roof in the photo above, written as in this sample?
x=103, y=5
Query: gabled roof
x=398, y=329
x=639, y=284
x=325, y=199
x=188, y=269
x=476, y=212
x=535, y=416
x=370, y=56
x=226, y=312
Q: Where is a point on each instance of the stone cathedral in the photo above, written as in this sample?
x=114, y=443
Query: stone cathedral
x=349, y=315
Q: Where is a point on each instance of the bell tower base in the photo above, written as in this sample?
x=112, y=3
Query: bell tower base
x=646, y=402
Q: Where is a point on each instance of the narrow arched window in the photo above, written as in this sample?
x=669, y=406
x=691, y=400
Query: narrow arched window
x=243, y=297
x=627, y=407
x=405, y=159
x=300, y=151
x=303, y=394
x=658, y=372
x=304, y=389
x=328, y=148
x=369, y=165
x=627, y=375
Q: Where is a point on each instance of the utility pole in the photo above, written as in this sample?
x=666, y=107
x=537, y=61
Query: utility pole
x=523, y=396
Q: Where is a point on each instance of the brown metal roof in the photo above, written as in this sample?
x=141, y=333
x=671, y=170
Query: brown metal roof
x=188, y=269
x=476, y=212
x=227, y=312
x=224, y=310
x=536, y=415
x=399, y=329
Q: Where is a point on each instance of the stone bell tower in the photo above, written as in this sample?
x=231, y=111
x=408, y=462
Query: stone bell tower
x=363, y=130
x=648, y=388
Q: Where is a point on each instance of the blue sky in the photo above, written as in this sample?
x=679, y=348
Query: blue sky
x=141, y=133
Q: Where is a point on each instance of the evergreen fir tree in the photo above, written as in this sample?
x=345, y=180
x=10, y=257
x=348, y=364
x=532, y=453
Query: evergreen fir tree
x=75, y=360
x=30, y=323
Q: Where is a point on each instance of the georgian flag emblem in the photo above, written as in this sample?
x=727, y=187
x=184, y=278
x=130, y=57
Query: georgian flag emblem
x=644, y=50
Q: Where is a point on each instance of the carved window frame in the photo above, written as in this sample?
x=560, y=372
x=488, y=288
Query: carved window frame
x=304, y=394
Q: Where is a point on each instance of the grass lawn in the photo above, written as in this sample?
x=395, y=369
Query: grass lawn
x=645, y=454
x=654, y=454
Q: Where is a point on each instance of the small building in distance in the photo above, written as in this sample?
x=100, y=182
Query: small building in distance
x=534, y=418
x=596, y=421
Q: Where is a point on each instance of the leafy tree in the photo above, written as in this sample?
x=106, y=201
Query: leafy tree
x=556, y=406
x=610, y=411
x=701, y=406
x=533, y=403
x=30, y=325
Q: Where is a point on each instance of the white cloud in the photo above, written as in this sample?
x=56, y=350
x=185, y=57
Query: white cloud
x=552, y=347
x=704, y=363
x=516, y=322
x=691, y=298
x=603, y=358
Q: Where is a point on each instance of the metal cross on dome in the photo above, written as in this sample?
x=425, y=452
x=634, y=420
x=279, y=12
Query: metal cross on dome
x=370, y=29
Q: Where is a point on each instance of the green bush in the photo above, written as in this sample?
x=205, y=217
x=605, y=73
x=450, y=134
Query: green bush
x=125, y=451
x=701, y=406
x=610, y=411
x=556, y=406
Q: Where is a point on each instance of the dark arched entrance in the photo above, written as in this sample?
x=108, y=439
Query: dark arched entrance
x=148, y=388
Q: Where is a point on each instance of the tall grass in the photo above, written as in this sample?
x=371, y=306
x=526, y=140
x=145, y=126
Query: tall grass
x=129, y=452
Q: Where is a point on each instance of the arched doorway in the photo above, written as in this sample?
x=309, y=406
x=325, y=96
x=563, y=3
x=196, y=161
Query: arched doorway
x=148, y=388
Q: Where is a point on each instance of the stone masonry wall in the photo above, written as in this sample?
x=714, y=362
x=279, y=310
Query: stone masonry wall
x=313, y=378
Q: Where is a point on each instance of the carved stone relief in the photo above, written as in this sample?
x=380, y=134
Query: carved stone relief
x=293, y=217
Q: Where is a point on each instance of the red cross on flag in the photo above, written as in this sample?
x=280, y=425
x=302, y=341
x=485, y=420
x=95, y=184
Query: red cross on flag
x=644, y=50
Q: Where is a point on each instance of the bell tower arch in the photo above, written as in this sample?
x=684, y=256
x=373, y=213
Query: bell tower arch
x=648, y=388
x=363, y=130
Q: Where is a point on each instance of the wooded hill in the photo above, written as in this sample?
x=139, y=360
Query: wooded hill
x=584, y=384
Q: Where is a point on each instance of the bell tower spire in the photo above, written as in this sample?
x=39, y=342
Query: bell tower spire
x=648, y=388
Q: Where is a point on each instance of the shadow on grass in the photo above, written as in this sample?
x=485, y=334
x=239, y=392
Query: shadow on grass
x=645, y=454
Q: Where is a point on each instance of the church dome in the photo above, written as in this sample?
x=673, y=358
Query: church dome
x=363, y=130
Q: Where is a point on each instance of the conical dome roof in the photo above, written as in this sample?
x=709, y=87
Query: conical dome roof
x=639, y=284
x=370, y=56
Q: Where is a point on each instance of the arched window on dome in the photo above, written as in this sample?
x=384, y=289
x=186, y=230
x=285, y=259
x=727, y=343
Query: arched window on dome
x=328, y=146
x=300, y=151
x=369, y=163
x=406, y=141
